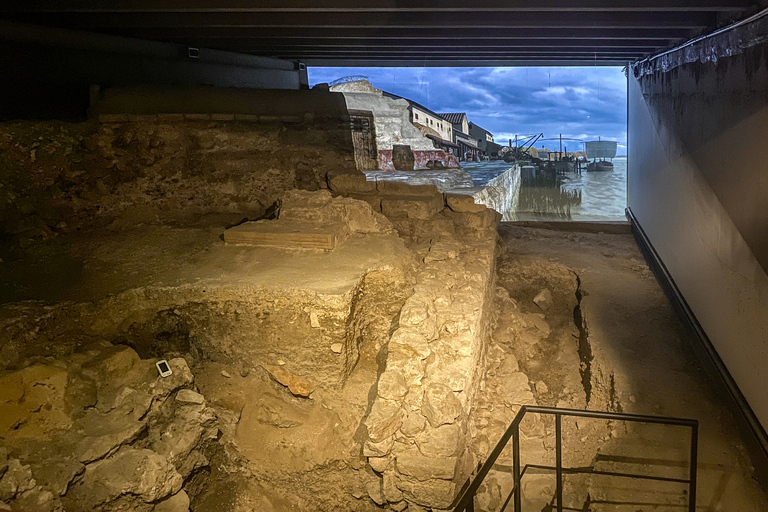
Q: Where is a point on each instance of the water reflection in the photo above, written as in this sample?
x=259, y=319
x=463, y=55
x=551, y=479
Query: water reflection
x=570, y=196
x=543, y=192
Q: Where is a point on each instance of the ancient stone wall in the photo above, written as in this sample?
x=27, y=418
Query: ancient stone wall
x=419, y=422
x=58, y=177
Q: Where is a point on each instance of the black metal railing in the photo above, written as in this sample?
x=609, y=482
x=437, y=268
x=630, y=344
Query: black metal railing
x=467, y=503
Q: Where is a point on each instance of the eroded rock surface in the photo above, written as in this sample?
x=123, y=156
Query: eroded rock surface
x=99, y=431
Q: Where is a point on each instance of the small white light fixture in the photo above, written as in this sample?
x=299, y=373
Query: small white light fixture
x=164, y=368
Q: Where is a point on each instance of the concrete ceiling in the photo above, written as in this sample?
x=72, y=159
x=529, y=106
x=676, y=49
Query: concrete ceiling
x=402, y=32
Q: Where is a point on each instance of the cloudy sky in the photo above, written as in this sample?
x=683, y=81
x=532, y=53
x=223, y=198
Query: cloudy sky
x=579, y=102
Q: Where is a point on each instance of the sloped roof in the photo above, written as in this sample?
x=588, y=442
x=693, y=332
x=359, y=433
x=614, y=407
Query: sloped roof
x=471, y=124
x=453, y=117
x=413, y=104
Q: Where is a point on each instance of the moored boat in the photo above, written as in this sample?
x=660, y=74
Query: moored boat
x=598, y=151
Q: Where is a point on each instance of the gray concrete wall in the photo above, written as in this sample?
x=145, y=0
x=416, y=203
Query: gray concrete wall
x=698, y=186
x=50, y=70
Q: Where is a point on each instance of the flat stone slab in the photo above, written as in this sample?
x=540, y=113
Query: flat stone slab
x=289, y=235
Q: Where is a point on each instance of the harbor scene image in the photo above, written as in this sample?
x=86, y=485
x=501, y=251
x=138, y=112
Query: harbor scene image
x=539, y=144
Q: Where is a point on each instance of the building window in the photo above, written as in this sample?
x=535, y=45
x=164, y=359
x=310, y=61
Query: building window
x=415, y=115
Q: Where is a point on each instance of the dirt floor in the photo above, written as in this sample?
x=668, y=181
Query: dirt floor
x=608, y=338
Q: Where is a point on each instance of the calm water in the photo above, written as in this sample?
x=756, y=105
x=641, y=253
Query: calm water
x=589, y=196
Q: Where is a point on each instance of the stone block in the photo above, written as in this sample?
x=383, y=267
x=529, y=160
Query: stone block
x=483, y=220
x=412, y=207
x=222, y=117
x=287, y=234
x=463, y=203
x=197, y=117
x=442, y=441
x=440, y=405
x=384, y=420
x=392, y=385
x=426, y=468
x=344, y=182
x=430, y=493
x=379, y=449
x=403, y=188
x=371, y=199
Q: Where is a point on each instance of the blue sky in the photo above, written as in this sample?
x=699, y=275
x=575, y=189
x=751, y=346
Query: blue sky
x=579, y=102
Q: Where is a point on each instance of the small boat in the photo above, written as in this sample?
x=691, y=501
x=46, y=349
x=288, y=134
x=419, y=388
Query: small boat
x=600, y=165
x=600, y=149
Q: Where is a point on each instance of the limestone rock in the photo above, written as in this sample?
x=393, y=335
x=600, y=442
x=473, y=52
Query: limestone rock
x=298, y=386
x=426, y=468
x=336, y=348
x=112, y=362
x=190, y=397
x=344, y=182
x=440, y=405
x=379, y=464
x=178, y=436
x=375, y=492
x=413, y=424
x=179, y=502
x=384, y=420
x=16, y=480
x=392, y=385
x=543, y=299
x=141, y=474
x=431, y=493
x=439, y=442
x=463, y=203
x=412, y=207
x=33, y=403
x=389, y=487
x=380, y=449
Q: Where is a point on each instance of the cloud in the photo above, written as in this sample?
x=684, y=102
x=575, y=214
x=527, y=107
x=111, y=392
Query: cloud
x=577, y=102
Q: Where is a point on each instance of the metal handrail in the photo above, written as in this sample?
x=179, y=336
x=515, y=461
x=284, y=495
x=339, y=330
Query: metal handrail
x=466, y=502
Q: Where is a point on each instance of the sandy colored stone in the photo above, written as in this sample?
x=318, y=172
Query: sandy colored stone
x=344, y=182
x=113, y=362
x=440, y=405
x=179, y=502
x=34, y=403
x=379, y=464
x=375, y=492
x=389, y=486
x=190, y=397
x=463, y=203
x=336, y=348
x=426, y=468
x=439, y=442
x=16, y=479
x=384, y=420
x=413, y=424
x=431, y=493
x=543, y=299
x=380, y=449
x=412, y=207
x=298, y=386
x=392, y=385
x=137, y=473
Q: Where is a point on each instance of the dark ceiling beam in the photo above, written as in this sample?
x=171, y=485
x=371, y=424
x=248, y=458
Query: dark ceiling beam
x=512, y=43
x=297, y=35
x=457, y=63
x=366, y=21
x=371, y=5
